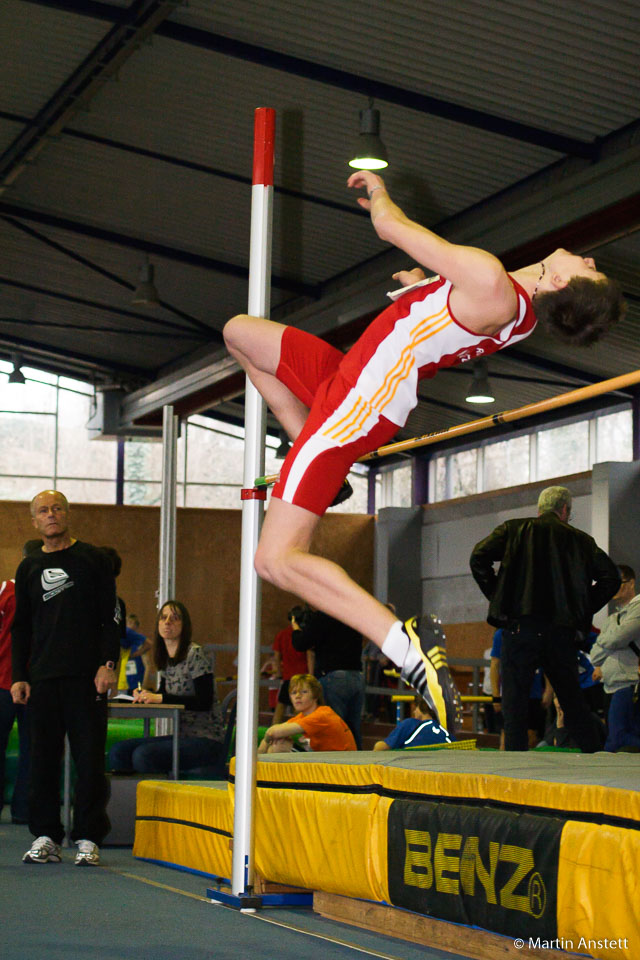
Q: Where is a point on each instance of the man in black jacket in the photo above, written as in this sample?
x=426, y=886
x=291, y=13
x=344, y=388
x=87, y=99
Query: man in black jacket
x=65, y=644
x=552, y=579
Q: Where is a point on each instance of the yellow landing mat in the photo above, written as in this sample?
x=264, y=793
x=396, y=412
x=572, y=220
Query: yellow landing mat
x=544, y=846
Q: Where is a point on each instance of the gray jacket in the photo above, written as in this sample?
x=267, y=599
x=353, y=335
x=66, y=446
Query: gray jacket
x=611, y=651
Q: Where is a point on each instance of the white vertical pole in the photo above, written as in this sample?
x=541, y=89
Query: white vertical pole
x=167, y=561
x=167, y=558
x=252, y=512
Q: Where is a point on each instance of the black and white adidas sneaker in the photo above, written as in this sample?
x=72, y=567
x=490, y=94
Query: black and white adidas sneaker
x=430, y=676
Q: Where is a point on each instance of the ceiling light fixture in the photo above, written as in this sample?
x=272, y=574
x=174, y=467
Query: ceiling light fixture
x=369, y=152
x=480, y=391
x=145, y=293
x=16, y=375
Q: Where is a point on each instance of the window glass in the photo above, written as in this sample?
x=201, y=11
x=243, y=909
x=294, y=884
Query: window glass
x=31, y=396
x=222, y=496
x=27, y=444
x=78, y=456
x=213, y=457
x=440, y=479
x=40, y=375
x=563, y=450
x=142, y=461
x=80, y=386
x=506, y=464
x=463, y=466
x=87, y=491
x=19, y=488
x=142, y=493
x=614, y=437
x=359, y=501
x=402, y=493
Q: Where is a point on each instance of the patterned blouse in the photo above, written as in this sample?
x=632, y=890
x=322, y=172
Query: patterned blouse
x=179, y=682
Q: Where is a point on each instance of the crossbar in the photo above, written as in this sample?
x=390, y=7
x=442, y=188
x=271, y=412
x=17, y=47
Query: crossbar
x=496, y=419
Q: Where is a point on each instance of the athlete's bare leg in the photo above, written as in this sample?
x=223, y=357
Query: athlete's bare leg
x=255, y=343
x=283, y=559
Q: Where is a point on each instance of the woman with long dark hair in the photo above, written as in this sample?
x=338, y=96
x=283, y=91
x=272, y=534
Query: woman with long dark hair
x=186, y=677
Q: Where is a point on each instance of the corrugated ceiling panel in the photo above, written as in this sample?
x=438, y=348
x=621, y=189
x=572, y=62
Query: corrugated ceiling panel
x=195, y=291
x=562, y=67
x=54, y=322
x=8, y=132
x=46, y=46
x=199, y=106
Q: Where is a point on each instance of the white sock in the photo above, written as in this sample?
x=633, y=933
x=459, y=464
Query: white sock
x=398, y=648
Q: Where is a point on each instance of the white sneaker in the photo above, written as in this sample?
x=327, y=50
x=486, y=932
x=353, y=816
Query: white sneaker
x=43, y=850
x=88, y=854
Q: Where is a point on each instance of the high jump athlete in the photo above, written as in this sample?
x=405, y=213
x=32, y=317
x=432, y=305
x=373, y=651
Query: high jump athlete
x=337, y=407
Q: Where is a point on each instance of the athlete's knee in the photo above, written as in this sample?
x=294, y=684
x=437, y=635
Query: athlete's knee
x=265, y=563
x=233, y=330
x=272, y=565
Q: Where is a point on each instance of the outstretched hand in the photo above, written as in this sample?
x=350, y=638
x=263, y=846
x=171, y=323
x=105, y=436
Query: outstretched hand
x=367, y=180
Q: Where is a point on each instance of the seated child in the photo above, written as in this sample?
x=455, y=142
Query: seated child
x=419, y=730
x=321, y=725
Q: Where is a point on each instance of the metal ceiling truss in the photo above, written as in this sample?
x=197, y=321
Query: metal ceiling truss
x=150, y=247
x=136, y=23
x=96, y=268
x=66, y=362
x=578, y=203
x=192, y=165
x=172, y=329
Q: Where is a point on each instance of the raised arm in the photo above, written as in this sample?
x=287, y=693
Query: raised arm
x=483, y=295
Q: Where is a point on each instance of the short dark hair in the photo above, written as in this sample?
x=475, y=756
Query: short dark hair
x=582, y=311
x=298, y=612
x=424, y=707
x=159, y=652
x=626, y=572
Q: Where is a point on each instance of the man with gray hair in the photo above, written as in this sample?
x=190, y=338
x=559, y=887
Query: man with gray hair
x=551, y=580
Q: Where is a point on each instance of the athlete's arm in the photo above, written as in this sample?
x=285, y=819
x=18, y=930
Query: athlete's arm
x=483, y=297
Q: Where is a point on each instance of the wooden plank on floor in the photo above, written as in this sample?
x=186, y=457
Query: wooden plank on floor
x=262, y=885
x=459, y=940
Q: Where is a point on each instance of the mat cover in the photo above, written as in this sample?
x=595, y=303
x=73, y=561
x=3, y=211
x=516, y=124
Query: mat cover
x=493, y=869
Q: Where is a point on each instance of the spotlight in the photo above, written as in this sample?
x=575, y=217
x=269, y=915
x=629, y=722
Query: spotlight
x=480, y=391
x=145, y=293
x=16, y=375
x=369, y=152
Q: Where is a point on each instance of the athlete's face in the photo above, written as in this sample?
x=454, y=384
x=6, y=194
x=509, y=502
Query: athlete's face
x=50, y=514
x=568, y=265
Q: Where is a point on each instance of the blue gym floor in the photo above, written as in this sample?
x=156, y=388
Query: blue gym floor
x=129, y=909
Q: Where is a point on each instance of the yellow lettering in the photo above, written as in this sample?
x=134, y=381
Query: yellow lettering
x=418, y=871
x=442, y=862
x=522, y=857
x=471, y=865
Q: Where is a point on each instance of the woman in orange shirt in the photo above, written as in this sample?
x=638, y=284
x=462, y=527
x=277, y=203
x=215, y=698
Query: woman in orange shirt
x=323, y=727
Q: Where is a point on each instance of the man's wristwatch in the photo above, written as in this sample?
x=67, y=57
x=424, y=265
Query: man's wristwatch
x=110, y=665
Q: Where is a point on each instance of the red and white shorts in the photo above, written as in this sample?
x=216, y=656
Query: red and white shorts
x=341, y=427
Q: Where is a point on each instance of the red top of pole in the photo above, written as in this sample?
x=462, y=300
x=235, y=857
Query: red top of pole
x=264, y=128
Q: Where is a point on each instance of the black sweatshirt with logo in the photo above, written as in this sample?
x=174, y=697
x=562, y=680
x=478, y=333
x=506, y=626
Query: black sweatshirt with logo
x=66, y=620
